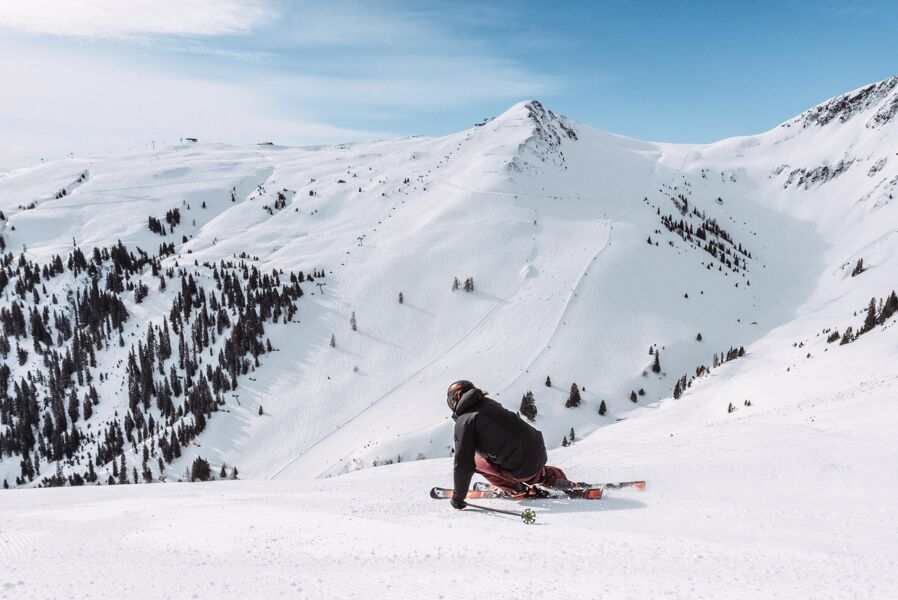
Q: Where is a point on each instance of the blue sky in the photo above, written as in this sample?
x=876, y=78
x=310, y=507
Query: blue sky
x=97, y=76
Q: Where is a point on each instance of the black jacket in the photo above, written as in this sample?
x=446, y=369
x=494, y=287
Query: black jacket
x=483, y=426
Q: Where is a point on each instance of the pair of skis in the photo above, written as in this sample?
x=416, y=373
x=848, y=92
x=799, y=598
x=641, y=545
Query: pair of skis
x=580, y=491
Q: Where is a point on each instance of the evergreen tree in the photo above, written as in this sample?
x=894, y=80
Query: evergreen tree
x=848, y=336
x=73, y=406
x=234, y=473
x=573, y=399
x=333, y=341
x=548, y=381
x=633, y=397
x=401, y=298
x=677, y=391
x=200, y=470
x=602, y=409
x=870, y=320
x=698, y=338
x=889, y=308
x=123, y=469
x=528, y=406
x=352, y=321
x=656, y=366
x=223, y=473
x=175, y=445
x=564, y=442
x=261, y=412
x=455, y=284
x=573, y=436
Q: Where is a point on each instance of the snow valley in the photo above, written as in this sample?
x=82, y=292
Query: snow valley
x=717, y=319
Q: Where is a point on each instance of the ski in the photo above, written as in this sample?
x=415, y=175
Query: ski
x=639, y=485
x=593, y=491
x=439, y=493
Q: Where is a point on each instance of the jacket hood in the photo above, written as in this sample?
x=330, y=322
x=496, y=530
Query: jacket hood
x=469, y=400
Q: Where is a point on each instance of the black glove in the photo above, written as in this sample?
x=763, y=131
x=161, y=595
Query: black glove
x=458, y=503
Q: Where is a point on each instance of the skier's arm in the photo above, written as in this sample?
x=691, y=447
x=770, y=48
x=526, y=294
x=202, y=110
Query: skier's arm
x=464, y=456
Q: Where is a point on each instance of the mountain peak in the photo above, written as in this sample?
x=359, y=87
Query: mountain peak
x=545, y=133
x=882, y=96
x=543, y=121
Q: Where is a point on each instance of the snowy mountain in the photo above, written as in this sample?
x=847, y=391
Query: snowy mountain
x=592, y=255
x=293, y=312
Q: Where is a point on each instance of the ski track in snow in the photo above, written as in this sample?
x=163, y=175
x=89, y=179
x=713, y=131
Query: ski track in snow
x=489, y=314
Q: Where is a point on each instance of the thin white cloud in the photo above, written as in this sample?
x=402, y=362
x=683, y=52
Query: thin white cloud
x=81, y=103
x=125, y=18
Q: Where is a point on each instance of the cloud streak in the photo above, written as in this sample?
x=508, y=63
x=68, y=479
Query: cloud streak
x=125, y=18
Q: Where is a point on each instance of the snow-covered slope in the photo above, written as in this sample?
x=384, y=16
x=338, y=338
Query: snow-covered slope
x=767, y=442
x=551, y=219
x=783, y=501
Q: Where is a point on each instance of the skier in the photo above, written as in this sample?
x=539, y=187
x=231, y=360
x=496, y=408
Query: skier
x=498, y=444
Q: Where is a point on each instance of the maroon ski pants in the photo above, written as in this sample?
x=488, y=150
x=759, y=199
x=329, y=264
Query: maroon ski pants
x=546, y=476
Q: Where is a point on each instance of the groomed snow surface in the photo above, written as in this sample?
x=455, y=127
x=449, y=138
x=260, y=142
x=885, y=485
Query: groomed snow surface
x=793, y=494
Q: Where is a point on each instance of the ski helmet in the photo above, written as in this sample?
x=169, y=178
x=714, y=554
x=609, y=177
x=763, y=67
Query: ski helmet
x=456, y=391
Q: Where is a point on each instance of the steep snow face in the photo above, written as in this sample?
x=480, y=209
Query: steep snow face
x=880, y=97
x=591, y=255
